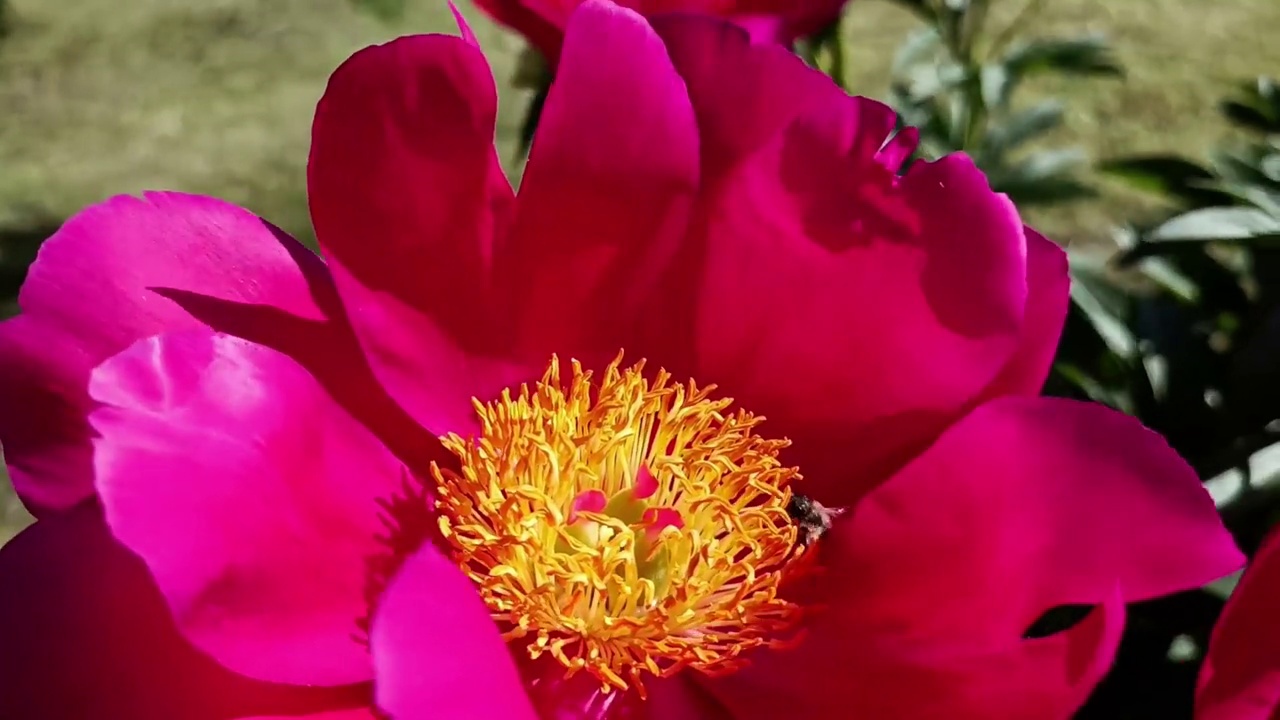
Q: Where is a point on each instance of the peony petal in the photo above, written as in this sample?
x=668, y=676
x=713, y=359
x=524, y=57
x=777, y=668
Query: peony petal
x=251, y=496
x=131, y=267
x=1034, y=503
x=606, y=195
x=437, y=653
x=558, y=696
x=464, y=30
x=743, y=95
x=542, y=32
x=359, y=714
x=772, y=21
x=85, y=633
x=1024, y=505
x=680, y=698
x=1240, y=679
x=1048, y=295
x=580, y=697
x=799, y=19
x=840, y=672
x=852, y=308
x=897, y=149
x=407, y=196
x=763, y=28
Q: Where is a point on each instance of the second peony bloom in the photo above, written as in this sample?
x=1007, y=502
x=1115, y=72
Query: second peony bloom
x=486, y=458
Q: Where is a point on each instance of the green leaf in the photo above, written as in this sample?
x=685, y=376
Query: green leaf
x=532, y=116
x=1050, y=163
x=1164, y=274
x=934, y=79
x=1091, y=386
x=1093, y=269
x=1246, y=162
x=996, y=85
x=1090, y=55
x=1024, y=126
x=1044, y=177
x=532, y=71
x=1165, y=174
x=1217, y=224
x=921, y=8
x=1262, y=198
x=917, y=48
x=1248, y=116
x=1119, y=339
x=386, y=10
x=1256, y=107
x=1270, y=166
x=1045, y=191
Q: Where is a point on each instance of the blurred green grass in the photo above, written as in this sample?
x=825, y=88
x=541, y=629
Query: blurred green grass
x=215, y=96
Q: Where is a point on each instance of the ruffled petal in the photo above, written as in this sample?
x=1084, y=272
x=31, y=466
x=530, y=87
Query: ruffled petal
x=437, y=653
x=84, y=633
x=606, y=196
x=253, y=499
x=1033, y=503
x=541, y=32
x=541, y=22
x=131, y=267
x=1025, y=505
x=841, y=672
x=853, y=308
x=1240, y=679
x=407, y=197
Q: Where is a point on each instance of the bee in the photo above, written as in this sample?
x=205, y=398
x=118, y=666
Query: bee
x=812, y=517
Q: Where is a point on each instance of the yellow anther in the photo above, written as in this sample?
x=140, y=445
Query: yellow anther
x=624, y=527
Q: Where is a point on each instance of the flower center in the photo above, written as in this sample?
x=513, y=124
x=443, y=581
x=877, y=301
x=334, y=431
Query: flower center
x=628, y=528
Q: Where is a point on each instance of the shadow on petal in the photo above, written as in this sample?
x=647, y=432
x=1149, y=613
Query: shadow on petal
x=85, y=633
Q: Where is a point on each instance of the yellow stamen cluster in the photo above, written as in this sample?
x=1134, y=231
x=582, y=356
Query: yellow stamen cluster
x=613, y=602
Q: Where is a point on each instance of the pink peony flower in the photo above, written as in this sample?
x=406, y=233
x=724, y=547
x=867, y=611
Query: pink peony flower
x=376, y=469
x=543, y=22
x=1240, y=679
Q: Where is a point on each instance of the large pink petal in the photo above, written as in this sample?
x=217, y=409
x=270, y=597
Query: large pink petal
x=607, y=193
x=797, y=18
x=437, y=653
x=842, y=673
x=681, y=698
x=357, y=714
x=131, y=267
x=84, y=633
x=407, y=196
x=860, y=312
x=1241, y=675
x=557, y=696
x=1024, y=505
x=780, y=21
x=251, y=496
x=1048, y=295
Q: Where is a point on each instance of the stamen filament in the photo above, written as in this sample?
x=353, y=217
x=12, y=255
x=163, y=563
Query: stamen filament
x=627, y=528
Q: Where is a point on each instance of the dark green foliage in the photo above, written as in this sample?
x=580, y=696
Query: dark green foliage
x=957, y=82
x=1182, y=329
x=1204, y=295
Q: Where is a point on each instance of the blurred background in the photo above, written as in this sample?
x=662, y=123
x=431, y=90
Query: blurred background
x=1143, y=135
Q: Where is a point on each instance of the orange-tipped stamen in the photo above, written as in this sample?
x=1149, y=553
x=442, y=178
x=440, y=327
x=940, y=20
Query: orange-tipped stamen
x=636, y=527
